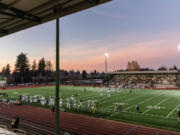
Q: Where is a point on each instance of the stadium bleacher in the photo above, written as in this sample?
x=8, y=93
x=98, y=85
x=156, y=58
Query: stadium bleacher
x=150, y=79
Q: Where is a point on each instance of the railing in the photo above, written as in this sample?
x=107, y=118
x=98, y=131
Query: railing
x=2, y=126
x=20, y=131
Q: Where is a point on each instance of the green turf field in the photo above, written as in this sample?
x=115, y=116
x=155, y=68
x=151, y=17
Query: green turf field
x=158, y=107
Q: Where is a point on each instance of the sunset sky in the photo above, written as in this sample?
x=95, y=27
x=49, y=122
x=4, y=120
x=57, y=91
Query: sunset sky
x=144, y=30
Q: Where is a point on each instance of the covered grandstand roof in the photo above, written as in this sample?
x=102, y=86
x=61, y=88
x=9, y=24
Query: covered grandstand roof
x=146, y=72
x=16, y=15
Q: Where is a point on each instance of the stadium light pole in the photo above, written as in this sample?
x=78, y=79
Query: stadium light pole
x=106, y=56
x=178, y=47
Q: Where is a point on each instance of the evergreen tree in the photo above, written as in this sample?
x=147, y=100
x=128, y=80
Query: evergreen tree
x=34, y=71
x=49, y=66
x=42, y=66
x=7, y=70
x=34, y=66
x=84, y=74
x=22, y=68
x=49, y=71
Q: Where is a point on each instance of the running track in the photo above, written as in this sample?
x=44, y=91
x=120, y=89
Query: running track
x=78, y=124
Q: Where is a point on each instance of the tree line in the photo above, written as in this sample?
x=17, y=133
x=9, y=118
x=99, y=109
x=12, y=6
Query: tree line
x=135, y=66
x=41, y=72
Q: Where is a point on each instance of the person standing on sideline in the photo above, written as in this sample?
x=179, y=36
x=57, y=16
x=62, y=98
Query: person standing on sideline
x=178, y=113
x=53, y=109
x=81, y=100
x=137, y=109
x=13, y=123
x=130, y=91
x=94, y=109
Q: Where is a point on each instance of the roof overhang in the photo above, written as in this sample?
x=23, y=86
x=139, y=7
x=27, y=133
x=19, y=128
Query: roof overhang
x=145, y=72
x=17, y=15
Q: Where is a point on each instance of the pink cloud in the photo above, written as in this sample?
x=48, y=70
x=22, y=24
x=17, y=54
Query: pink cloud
x=149, y=54
x=89, y=56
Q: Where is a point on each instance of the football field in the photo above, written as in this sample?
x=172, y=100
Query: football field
x=158, y=108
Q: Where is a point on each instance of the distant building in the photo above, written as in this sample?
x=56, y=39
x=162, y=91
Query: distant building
x=91, y=82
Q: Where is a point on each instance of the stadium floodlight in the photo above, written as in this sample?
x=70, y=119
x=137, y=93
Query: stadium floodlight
x=178, y=47
x=106, y=55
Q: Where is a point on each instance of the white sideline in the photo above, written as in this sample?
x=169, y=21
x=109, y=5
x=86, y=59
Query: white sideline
x=155, y=105
x=172, y=111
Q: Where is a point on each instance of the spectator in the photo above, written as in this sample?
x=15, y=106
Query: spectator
x=53, y=109
x=20, y=97
x=14, y=123
x=130, y=91
x=81, y=100
x=120, y=108
x=94, y=109
x=18, y=102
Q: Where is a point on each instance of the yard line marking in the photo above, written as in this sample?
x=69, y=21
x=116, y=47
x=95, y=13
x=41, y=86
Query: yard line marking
x=172, y=111
x=125, y=110
x=92, y=96
x=124, y=101
x=155, y=105
x=114, y=114
x=143, y=102
x=113, y=99
x=130, y=130
x=134, y=98
x=128, y=100
x=114, y=95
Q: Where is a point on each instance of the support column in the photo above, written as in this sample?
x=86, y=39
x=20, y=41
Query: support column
x=57, y=80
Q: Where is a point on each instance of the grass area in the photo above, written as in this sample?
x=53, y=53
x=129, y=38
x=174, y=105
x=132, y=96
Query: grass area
x=158, y=107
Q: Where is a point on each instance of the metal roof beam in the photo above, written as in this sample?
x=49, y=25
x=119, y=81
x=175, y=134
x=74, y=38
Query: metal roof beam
x=18, y=13
x=44, y=11
x=2, y=31
x=59, y=6
x=93, y=1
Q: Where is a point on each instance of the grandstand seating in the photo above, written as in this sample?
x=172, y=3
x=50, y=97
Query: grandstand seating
x=148, y=79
